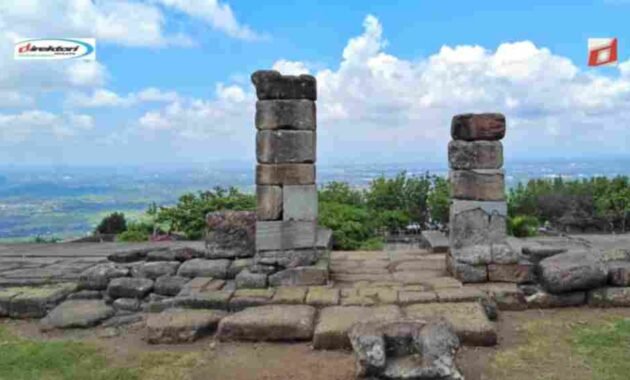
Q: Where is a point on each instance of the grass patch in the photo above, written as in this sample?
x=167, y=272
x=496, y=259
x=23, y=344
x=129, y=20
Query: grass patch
x=606, y=348
x=25, y=359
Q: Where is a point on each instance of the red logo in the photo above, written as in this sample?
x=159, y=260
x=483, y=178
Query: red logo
x=602, y=51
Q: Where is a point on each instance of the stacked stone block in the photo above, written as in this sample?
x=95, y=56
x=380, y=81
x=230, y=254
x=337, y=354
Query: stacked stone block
x=478, y=214
x=286, y=227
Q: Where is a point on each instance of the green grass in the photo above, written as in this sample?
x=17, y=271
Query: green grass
x=606, y=349
x=25, y=359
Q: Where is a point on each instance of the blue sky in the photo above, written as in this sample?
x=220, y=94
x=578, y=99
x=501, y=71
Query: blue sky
x=171, y=82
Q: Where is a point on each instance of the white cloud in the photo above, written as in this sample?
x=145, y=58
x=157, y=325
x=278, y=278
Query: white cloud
x=219, y=16
x=101, y=97
x=16, y=128
x=290, y=67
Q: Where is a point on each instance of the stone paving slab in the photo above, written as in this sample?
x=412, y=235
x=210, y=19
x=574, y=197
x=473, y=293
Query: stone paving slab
x=468, y=319
x=438, y=241
x=181, y=326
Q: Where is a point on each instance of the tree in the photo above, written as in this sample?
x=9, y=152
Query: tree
x=114, y=223
x=439, y=200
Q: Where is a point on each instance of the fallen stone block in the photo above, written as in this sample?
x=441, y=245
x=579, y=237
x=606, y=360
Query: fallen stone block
x=181, y=326
x=609, y=297
x=97, y=277
x=335, y=322
x=269, y=323
x=247, y=279
x=157, y=269
x=125, y=287
x=35, y=302
x=285, y=174
x=537, y=253
x=77, y=314
x=572, y=271
x=170, y=285
x=474, y=127
x=437, y=240
x=469, y=320
x=271, y=85
x=204, y=268
x=467, y=155
x=286, y=114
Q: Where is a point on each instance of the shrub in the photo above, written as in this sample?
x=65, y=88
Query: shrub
x=114, y=223
x=133, y=236
x=523, y=226
x=351, y=225
x=439, y=201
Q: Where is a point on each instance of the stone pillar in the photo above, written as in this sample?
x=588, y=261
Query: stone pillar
x=286, y=226
x=478, y=214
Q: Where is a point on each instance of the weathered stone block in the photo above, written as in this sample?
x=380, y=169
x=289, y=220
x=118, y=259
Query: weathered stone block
x=157, y=269
x=127, y=304
x=231, y=234
x=244, y=298
x=285, y=235
x=268, y=202
x=97, y=277
x=285, y=147
x=475, y=227
x=484, y=126
x=518, y=273
x=609, y=297
x=286, y=114
x=191, y=251
x=544, y=300
x=466, y=155
x=572, y=271
x=300, y=276
x=288, y=258
x=125, y=287
x=322, y=296
x=619, y=273
x=35, y=302
x=285, y=174
x=479, y=184
x=238, y=265
x=504, y=254
x=270, y=85
x=467, y=273
x=269, y=323
x=489, y=207
x=205, y=268
x=299, y=202
x=289, y=295
x=129, y=255
x=181, y=326
x=211, y=299
x=170, y=285
x=247, y=279
x=473, y=254
x=77, y=314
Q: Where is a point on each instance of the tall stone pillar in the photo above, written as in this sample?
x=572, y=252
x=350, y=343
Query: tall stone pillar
x=478, y=214
x=286, y=227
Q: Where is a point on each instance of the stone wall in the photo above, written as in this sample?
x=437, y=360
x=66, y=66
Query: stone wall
x=478, y=214
x=286, y=226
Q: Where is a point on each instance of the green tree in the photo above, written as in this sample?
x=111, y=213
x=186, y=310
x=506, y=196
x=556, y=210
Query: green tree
x=114, y=223
x=439, y=200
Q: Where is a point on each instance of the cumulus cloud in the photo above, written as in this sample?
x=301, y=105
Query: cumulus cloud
x=219, y=16
x=17, y=128
x=101, y=98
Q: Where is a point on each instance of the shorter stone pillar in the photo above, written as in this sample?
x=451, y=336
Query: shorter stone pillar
x=478, y=214
x=286, y=227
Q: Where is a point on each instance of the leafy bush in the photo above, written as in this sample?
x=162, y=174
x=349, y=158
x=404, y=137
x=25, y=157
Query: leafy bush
x=351, y=225
x=523, y=226
x=439, y=201
x=136, y=232
x=188, y=216
x=114, y=223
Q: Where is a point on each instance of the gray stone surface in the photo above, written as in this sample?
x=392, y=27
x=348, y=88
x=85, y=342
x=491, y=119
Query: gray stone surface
x=125, y=287
x=271, y=236
x=437, y=240
x=247, y=279
x=504, y=254
x=268, y=202
x=97, y=277
x=204, y=268
x=210, y=299
x=77, y=314
x=473, y=254
x=191, y=251
x=478, y=185
x=170, y=285
x=489, y=207
x=181, y=326
x=544, y=300
x=465, y=155
x=286, y=114
x=86, y=295
x=473, y=127
x=537, y=253
x=299, y=202
x=300, y=276
x=285, y=174
x=231, y=234
x=475, y=227
x=289, y=258
x=35, y=302
x=519, y=273
x=285, y=147
x=467, y=273
x=269, y=323
x=238, y=265
x=128, y=255
x=123, y=320
x=609, y=297
x=127, y=304
x=273, y=85
x=572, y=271
x=157, y=269
x=619, y=273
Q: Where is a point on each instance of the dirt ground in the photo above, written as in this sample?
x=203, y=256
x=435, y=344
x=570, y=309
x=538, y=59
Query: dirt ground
x=210, y=359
